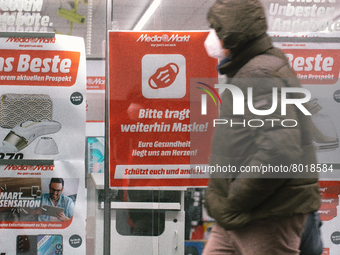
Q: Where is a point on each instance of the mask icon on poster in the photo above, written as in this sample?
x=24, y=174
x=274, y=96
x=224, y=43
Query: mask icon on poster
x=164, y=76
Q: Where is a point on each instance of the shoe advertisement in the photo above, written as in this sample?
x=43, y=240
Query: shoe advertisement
x=150, y=108
x=42, y=145
x=317, y=66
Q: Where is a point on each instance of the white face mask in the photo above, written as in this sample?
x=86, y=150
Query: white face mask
x=213, y=45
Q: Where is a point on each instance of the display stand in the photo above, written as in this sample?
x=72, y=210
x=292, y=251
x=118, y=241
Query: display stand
x=170, y=241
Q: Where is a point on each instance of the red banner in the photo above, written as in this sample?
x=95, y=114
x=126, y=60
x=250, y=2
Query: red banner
x=151, y=113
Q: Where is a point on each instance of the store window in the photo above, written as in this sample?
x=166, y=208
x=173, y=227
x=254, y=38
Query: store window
x=97, y=76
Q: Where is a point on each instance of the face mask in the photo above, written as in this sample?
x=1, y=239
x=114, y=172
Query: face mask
x=164, y=76
x=213, y=45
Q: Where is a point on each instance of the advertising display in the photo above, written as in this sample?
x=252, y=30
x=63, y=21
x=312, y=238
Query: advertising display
x=306, y=18
x=330, y=191
x=317, y=66
x=151, y=129
x=42, y=132
x=139, y=104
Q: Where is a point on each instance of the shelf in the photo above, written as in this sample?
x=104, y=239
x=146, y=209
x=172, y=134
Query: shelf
x=144, y=206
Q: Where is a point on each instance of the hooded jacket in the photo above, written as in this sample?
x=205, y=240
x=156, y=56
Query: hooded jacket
x=239, y=198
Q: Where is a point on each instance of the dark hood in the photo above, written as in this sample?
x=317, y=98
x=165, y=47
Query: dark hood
x=237, y=22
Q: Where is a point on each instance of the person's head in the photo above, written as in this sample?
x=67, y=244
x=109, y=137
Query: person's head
x=237, y=22
x=56, y=188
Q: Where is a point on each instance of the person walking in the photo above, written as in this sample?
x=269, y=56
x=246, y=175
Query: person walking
x=256, y=215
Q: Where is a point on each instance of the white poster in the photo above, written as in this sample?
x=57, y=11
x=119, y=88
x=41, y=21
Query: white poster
x=305, y=18
x=317, y=66
x=42, y=120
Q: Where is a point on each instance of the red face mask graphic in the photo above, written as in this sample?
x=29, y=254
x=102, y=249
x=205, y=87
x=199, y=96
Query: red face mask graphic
x=164, y=76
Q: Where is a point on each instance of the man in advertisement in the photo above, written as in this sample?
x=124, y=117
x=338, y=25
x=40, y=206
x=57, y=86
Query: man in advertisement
x=55, y=206
x=254, y=214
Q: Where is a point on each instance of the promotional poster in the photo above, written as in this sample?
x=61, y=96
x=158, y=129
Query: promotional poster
x=151, y=111
x=317, y=66
x=304, y=18
x=42, y=106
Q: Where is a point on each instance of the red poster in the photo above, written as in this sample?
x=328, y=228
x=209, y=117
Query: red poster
x=156, y=128
x=313, y=66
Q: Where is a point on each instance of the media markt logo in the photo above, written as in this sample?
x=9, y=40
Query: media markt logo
x=31, y=40
x=163, y=38
x=95, y=80
x=204, y=97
